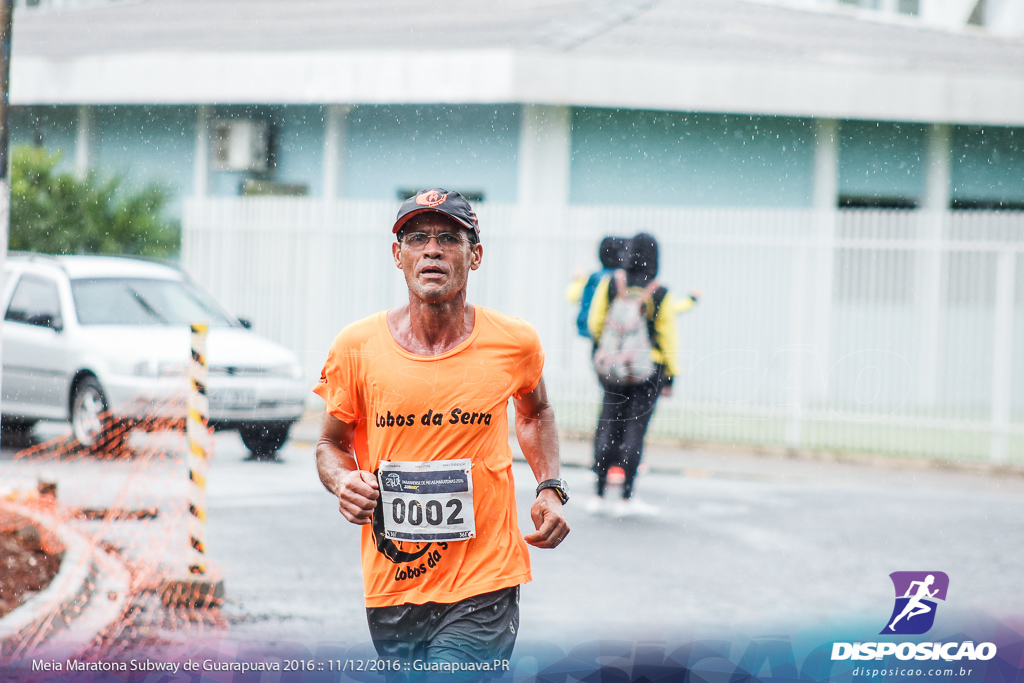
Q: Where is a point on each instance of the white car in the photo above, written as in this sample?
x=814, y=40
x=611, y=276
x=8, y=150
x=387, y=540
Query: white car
x=87, y=334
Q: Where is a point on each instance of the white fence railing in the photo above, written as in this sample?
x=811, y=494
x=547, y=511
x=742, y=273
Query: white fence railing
x=881, y=331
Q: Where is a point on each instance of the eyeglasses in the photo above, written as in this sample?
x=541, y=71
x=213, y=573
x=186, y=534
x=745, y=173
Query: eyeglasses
x=445, y=240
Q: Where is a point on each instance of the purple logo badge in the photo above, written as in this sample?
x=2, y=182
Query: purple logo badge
x=916, y=595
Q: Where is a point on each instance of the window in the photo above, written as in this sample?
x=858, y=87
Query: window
x=874, y=202
x=404, y=193
x=35, y=302
x=986, y=205
x=123, y=301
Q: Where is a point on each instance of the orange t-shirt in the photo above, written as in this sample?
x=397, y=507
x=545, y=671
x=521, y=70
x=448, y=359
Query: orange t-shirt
x=410, y=408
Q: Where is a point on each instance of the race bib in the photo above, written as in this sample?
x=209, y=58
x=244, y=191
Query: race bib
x=427, y=501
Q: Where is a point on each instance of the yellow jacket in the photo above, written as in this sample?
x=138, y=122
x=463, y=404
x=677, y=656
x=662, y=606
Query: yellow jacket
x=574, y=292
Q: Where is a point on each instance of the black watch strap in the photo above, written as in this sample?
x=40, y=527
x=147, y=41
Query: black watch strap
x=558, y=486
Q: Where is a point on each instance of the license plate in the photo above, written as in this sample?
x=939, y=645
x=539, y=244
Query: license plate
x=234, y=398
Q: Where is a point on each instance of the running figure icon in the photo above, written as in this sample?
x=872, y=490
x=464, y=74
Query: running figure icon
x=914, y=606
x=917, y=594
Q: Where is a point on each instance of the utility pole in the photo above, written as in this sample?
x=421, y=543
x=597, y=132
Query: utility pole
x=6, y=23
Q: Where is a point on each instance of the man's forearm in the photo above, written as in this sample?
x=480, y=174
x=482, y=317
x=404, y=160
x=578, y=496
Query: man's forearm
x=340, y=474
x=538, y=437
x=535, y=429
x=332, y=464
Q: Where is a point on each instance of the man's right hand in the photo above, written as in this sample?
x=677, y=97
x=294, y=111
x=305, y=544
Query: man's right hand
x=358, y=496
x=336, y=464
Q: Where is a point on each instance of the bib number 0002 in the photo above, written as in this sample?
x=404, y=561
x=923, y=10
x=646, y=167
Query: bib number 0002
x=427, y=501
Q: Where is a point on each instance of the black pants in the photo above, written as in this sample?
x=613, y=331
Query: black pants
x=480, y=629
x=625, y=415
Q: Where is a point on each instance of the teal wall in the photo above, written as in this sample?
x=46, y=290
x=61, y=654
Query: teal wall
x=300, y=132
x=141, y=144
x=618, y=156
x=468, y=148
x=646, y=157
x=147, y=145
x=882, y=160
x=988, y=164
x=55, y=127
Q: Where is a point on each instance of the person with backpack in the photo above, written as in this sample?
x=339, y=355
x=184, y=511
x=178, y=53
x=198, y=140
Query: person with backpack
x=632, y=322
x=581, y=290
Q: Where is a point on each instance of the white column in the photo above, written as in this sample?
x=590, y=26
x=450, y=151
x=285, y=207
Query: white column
x=1005, y=17
x=938, y=164
x=825, y=199
x=201, y=160
x=545, y=139
x=335, y=140
x=83, y=141
x=826, y=165
x=948, y=13
x=935, y=205
x=544, y=154
x=1002, y=355
x=809, y=340
x=795, y=387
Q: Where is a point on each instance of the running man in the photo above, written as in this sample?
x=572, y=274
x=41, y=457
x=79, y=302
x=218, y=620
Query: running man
x=415, y=446
x=914, y=606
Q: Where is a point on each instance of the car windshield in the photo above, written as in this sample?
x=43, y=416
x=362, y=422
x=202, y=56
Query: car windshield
x=130, y=301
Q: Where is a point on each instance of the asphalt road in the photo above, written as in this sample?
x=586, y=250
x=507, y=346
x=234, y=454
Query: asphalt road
x=752, y=543
x=770, y=545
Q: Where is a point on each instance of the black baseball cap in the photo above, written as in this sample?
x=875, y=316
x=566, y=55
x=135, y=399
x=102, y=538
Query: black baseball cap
x=451, y=204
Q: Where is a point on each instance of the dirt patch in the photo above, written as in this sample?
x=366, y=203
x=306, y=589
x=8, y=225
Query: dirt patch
x=25, y=567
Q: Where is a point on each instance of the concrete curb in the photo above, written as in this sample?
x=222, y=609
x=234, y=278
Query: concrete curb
x=110, y=586
x=671, y=456
x=711, y=459
x=86, y=596
x=64, y=590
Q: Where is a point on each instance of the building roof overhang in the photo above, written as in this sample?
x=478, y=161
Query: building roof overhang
x=727, y=56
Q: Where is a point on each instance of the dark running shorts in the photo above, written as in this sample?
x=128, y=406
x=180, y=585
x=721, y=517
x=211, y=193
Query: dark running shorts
x=478, y=629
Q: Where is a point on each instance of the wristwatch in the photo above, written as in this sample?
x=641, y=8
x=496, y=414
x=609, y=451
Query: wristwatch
x=559, y=486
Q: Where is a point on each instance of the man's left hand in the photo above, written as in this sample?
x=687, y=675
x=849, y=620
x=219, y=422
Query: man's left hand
x=549, y=521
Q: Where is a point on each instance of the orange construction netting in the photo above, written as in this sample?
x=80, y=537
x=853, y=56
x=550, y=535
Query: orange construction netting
x=130, y=508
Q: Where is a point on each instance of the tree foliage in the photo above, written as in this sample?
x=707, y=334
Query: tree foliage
x=57, y=213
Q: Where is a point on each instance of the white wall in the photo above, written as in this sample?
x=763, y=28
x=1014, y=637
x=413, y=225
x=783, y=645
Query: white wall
x=755, y=364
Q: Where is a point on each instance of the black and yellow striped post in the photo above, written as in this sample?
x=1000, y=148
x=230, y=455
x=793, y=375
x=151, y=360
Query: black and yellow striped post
x=200, y=590
x=197, y=431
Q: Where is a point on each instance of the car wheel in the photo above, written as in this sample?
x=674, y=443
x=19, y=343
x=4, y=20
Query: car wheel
x=91, y=423
x=264, y=439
